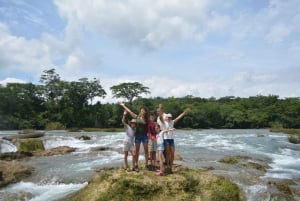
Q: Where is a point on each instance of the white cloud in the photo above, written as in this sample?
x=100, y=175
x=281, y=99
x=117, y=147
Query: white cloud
x=18, y=53
x=11, y=80
x=207, y=26
x=148, y=24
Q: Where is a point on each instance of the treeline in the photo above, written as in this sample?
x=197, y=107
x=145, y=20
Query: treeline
x=56, y=103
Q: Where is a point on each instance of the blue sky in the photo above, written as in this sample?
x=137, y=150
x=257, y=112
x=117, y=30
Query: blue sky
x=207, y=48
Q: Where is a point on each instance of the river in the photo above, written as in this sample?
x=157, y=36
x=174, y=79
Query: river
x=57, y=176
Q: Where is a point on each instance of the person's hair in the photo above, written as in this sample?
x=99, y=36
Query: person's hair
x=152, y=114
x=160, y=107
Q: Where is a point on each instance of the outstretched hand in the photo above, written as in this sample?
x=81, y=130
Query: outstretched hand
x=122, y=103
x=187, y=110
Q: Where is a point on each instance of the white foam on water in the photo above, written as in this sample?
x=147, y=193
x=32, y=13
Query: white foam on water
x=101, y=159
x=254, y=192
x=84, y=145
x=285, y=165
x=6, y=146
x=42, y=192
x=216, y=142
x=63, y=141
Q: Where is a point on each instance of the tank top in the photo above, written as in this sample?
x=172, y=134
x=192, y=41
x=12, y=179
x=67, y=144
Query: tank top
x=141, y=127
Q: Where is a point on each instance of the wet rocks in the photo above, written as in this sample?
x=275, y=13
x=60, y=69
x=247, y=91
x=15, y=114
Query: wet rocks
x=28, y=145
x=54, y=151
x=13, y=171
x=8, y=156
x=25, y=135
x=276, y=190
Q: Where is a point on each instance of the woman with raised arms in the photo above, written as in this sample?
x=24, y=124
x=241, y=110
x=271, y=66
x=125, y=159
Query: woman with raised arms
x=140, y=134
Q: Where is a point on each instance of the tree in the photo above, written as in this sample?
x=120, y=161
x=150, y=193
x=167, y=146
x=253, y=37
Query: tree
x=129, y=90
x=93, y=88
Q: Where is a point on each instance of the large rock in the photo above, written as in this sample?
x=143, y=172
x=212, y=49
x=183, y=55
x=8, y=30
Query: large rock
x=13, y=171
x=28, y=145
x=54, y=151
x=25, y=135
x=8, y=156
x=183, y=184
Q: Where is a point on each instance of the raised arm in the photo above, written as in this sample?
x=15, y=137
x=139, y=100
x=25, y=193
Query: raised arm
x=132, y=114
x=123, y=118
x=182, y=114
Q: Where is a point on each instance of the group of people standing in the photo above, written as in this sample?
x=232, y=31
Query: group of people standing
x=157, y=137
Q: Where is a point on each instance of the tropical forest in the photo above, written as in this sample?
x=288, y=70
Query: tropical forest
x=58, y=104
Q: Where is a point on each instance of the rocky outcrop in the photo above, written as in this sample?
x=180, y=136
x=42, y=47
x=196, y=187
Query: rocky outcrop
x=25, y=135
x=184, y=184
x=13, y=171
x=54, y=151
x=28, y=145
x=276, y=190
x=15, y=155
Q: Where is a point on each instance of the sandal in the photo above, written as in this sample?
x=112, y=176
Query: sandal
x=160, y=173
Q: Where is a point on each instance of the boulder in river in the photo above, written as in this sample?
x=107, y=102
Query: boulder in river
x=13, y=171
x=54, y=151
x=28, y=145
x=25, y=135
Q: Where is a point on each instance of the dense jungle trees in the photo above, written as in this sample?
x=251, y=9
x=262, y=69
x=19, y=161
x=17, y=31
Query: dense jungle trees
x=77, y=104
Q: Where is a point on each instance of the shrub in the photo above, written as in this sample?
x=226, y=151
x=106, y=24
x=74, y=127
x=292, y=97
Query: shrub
x=55, y=126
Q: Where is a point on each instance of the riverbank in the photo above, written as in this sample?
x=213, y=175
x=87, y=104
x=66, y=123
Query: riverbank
x=294, y=134
x=292, y=131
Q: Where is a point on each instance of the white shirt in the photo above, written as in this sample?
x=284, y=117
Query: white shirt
x=129, y=137
x=160, y=137
x=163, y=125
x=169, y=126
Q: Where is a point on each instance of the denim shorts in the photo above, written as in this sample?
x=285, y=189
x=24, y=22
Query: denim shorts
x=141, y=139
x=169, y=142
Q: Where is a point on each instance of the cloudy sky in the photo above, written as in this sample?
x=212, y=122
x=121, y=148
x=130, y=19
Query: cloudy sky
x=204, y=48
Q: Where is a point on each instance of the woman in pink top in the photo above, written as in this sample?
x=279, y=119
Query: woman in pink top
x=151, y=133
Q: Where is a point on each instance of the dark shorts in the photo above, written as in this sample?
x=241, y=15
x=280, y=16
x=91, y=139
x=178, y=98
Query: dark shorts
x=169, y=142
x=141, y=139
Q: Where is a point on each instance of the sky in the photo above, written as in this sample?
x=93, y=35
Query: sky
x=202, y=48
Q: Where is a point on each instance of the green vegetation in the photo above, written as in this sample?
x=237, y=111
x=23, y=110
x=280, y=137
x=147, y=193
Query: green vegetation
x=55, y=126
x=286, y=130
x=184, y=184
x=59, y=104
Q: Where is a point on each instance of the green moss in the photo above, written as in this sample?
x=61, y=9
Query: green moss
x=224, y=190
x=256, y=166
x=28, y=145
x=130, y=189
x=229, y=160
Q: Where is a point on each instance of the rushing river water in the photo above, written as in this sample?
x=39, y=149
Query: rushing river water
x=58, y=176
